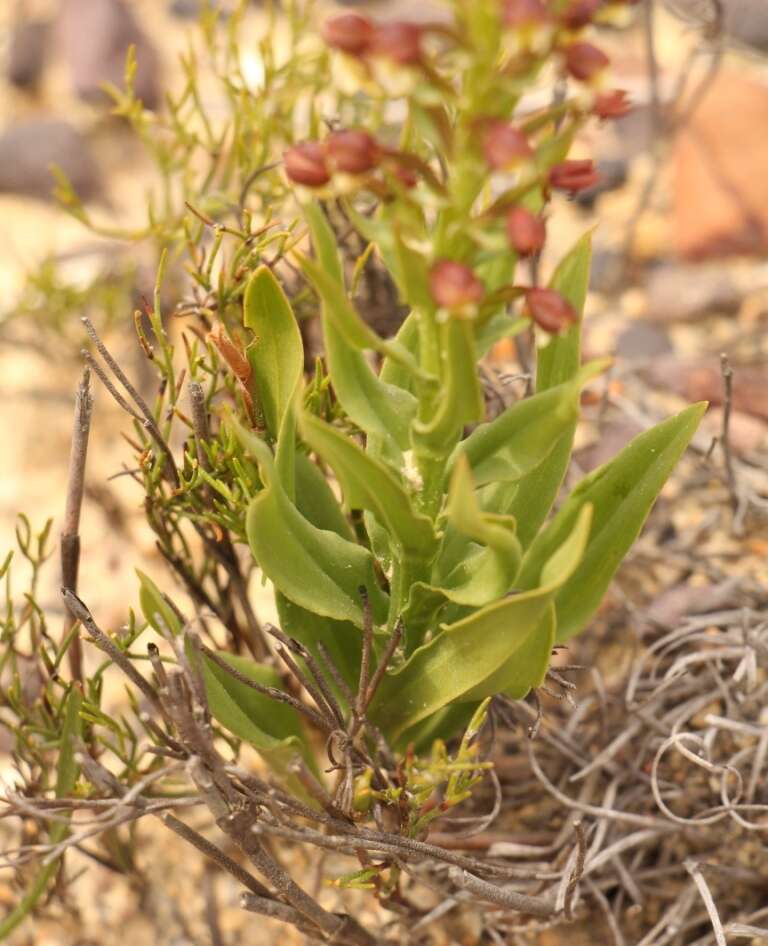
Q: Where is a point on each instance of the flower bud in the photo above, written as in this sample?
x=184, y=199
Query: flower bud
x=526, y=231
x=584, y=61
x=522, y=13
x=406, y=175
x=350, y=33
x=305, y=164
x=613, y=104
x=573, y=176
x=549, y=310
x=454, y=286
x=353, y=152
x=504, y=146
x=579, y=13
x=399, y=41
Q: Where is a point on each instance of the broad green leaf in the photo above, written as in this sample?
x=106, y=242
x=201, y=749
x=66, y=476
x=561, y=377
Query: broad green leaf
x=155, y=608
x=315, y=568
x=556, y=362
x=285, y=449
x=276, y=355
x=346, y=320
x=271, y=727
x=459, y=660
x=66, y=779
x=621, y=493
x=559, y=359
x=341, y=639
x=521, y=438
x=368, y=484
x=460, y=397
x=527, y=668
x=487, y=569
x=380, y=409
x=328, y=280
x=316, y=501
x=250, y=715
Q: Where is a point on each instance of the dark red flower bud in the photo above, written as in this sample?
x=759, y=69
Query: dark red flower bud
x=526, y=231
x=504, y=146
x=520, y=13
x=353, y=152
x=579, y=13
x=584, y=61
x=454, y=285
x=406, y=175
x=350, y=32
x=573, y=176
x=305, y=164
x=399, y=41
x=549, y=310
x=613, y=104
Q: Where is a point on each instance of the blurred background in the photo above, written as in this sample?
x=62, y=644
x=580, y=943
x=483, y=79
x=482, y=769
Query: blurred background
x=680, y=279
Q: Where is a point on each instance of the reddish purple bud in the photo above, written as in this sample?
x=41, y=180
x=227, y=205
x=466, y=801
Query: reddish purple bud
x=526, y=231
x=579, y=13
x=521, y=13
x=305, y=164
x=454, y=285
x=405, y=174
x=613, y=104
x=549, y=310
x=504, y=146
x=350, y=32
x=399, y=41
x=584, y=61
x=353, y=152
x=573, y=176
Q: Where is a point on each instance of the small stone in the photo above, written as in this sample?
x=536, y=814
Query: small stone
x=29, y=148
x=94, y=37
x=612, y=175
x=642, y=340
x=678, y=292
x=26, y=53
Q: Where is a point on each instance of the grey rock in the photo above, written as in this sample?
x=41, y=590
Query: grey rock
x=29, y=148
x=642, y=340
x=677, y=292
x=26, y=53
x=613, y=175
x=94, y=36
x=744, y=21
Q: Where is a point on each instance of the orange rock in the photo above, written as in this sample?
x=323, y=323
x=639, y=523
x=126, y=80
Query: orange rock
x=720, y=184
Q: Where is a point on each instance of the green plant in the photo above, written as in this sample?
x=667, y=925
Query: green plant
x=405, y=527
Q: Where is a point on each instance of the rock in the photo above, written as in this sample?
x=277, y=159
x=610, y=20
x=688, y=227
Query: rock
x=94, y=36
x=642, y=340
x=28, y=149
x=701, y=380
x=677, y=292
x=613, y=175
x=745, y=21
x=747, y=434
x=26, y=53
x=720, y=204
x=186, y=9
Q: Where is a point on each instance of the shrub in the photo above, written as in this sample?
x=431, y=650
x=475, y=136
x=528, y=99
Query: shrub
x=404, y=525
